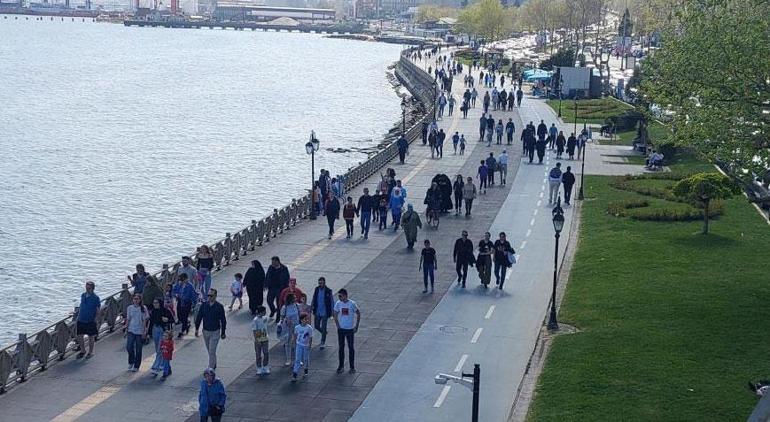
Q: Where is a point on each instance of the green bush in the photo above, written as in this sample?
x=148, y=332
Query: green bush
x=625, y=121
x=674, y=213
x=618, y=208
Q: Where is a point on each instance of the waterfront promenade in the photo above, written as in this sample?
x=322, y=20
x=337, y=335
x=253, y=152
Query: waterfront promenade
x=405, y=338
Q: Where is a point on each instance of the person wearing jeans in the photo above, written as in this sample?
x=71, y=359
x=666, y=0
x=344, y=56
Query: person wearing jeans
x=364, y=209
x=428, y=265
x=554, y=182
x=322, y=308
x=161, y=320
x=503, y=250
x=136, y=331
x=212, y=315
x=347, y=326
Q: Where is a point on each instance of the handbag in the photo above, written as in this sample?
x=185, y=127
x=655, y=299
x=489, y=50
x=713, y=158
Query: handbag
x=511, y=258
x=214, y=409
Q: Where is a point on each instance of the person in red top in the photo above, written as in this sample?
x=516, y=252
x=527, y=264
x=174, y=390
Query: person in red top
x=167, y=352
x=349, y=213
x=291, y=290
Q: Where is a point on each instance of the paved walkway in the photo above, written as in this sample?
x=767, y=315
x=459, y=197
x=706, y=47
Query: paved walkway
x=380, y=274
x=496, y=329
x=405, y=337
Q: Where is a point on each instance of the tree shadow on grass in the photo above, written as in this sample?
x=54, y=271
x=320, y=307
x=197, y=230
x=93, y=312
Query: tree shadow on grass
x=709, y=241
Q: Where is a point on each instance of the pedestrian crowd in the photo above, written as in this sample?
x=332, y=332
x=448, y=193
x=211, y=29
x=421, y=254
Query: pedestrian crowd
x=164, y=309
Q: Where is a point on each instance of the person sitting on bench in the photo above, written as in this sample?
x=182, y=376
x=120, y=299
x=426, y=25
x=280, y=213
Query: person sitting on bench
x=655, y=161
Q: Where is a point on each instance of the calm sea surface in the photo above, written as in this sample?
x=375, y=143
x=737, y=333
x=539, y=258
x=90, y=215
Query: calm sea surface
x=124, y=145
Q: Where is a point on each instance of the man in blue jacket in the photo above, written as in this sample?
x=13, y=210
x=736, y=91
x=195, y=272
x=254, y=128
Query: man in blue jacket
x=185, y=295
x=322, y=308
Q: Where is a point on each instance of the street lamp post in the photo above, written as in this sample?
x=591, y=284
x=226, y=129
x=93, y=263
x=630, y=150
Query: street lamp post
x=558, y=225
x=476, y=375
x=403, y=116
x=311, y=147
x=561, y=84
x=582, y=168
x=472, y=381
x=434, y=86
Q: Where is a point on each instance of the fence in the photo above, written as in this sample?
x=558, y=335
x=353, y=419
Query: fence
x=34, y=353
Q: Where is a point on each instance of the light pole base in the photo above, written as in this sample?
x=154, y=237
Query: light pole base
x=580, y=194
x=552, y=324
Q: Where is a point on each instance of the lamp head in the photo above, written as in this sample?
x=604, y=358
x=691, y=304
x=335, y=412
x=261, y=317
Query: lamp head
x=314, y=142
x=558, y=222
x=439, y=379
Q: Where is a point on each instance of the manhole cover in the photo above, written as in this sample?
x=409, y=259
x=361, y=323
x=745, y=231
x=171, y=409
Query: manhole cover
x=453, y=329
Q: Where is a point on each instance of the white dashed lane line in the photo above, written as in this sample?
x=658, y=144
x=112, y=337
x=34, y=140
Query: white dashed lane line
x=523, y=245
x=535, y=213
x=532, y=223
x=529, y=232
x=476, y=335
x=489, y=312
x=442, y=396
x=460, y=364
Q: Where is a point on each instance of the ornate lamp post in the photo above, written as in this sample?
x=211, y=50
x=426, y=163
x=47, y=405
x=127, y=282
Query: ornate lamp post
x=561, y=84
x=403, y=116
x=435, y=98
x=558, y=225
x=311, y=147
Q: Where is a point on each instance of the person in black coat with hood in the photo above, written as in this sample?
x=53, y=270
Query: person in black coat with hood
x=255, y=285
x=323, y=308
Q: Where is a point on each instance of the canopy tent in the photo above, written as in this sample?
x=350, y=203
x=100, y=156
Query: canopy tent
x=533, y=75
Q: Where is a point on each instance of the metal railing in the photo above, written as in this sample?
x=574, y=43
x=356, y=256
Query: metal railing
x=34, y=353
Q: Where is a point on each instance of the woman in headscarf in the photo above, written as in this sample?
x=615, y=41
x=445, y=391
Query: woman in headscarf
x=411, y=222
x=255, y=285
x=395, y=205
x=211, y=397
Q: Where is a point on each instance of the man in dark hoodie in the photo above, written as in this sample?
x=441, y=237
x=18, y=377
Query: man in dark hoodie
x=276, y=279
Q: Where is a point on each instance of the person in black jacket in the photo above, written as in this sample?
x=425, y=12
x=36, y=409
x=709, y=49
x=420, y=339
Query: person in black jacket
x=212, y=315
x=502, y=252
x=332, y=209
x=255, y=285
x=322, y=306
x=463, y=256
x=568, y=180
x=276, y=279
x=542, y=130
x=364, y=209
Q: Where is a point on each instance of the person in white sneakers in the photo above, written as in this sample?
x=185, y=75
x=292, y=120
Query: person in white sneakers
x=554, y=182
x=261, y=341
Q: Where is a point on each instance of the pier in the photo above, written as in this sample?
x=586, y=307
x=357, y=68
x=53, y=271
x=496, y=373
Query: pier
x=240, y=26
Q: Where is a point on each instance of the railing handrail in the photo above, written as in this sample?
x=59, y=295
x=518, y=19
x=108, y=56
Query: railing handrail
x=23, y=357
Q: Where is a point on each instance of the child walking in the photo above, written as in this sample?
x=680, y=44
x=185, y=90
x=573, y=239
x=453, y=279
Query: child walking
x=304, y=334
x=236, y=288
x=383, y=209
x=261, y=341
x=167, y=352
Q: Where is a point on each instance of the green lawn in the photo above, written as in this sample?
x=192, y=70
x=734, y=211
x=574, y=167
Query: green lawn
x=655, y=130
x=672, y=322
x=589, y=111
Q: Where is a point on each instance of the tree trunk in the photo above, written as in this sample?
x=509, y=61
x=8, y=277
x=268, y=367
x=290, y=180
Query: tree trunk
x=706, y=217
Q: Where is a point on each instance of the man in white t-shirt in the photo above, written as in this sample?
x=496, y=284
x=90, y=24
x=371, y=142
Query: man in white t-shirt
x=136, y=331
x=347, y=325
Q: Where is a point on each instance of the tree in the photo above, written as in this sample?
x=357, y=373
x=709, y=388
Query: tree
x=702, y=188
x=563, y=58
x=487, y=19
x=431, y=12
x=713, y=72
